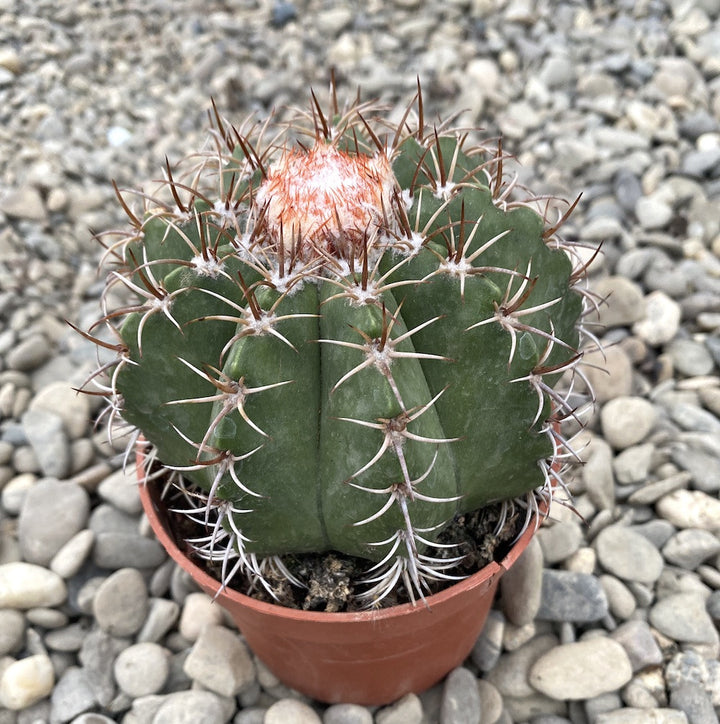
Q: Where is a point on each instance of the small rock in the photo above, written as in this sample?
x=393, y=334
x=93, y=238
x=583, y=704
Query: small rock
x=161, y=618
x=683, y=617
x=120, y=550
x=624, y=302
x=71, y=696
x=597, y=474
x=121, y=490
x=29, y=354
x=690, y=547
x=633, y=463
x=627, y=421
x=72, y=407
x=694, y=702
x=582, y=670
x=97, y=656
x=23, y=203
x=639, y=644
x=291, y=710
x=653, y=212
x=346, y=714
x=46, y=434
x=407, y=710
x=460, y=699
x=26, y=681
x=199, y=611
x=661, y=321
x=633, y=715
x=621, y=602
x=690, y=358
x=487, y=648
x=559, y=541
x=690, y=509
x=521, y=586
x=652, y=492
x=569, y=596
x=121, y=603
x=510, y=675
x=71, y=556
x=142, y=669
x=12, y=631
x=191, y=707
x=52, y=513
x=26, y=585
x=220, y=661
x=628, y=555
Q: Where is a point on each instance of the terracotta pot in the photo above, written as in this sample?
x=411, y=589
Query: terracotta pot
x=369, y=657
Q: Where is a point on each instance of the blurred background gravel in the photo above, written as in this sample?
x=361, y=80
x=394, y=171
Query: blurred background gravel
x=614, y=619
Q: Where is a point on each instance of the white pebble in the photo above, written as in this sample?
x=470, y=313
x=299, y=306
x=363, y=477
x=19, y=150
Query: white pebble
x=26, y=681
x=26, y=585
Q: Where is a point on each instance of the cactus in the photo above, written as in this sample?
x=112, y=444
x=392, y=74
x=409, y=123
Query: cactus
x=344, y=341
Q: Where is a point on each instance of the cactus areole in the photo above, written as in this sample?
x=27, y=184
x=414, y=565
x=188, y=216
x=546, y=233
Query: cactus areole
x=341, y=341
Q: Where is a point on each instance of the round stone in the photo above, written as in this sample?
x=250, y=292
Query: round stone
x=121, y=603
x=628, y=555
x=571, y=597
x=690, y=509
x=460, y=699
x=52, y=513
x=70, y=558
x=661, y=321
x=521, y=586
x=291, y=710
x=688, y=548
x=627, y=421
x=26, y=681
x=72, y=407
x=563, y=672
x=624, y=302
x=12, y=630
x=220, y=661
x=683, y=617
x=199, y=611
x=142, y=669
x=347, y=714
x=25, y=585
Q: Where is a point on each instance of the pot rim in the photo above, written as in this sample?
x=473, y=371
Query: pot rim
x=209, y=583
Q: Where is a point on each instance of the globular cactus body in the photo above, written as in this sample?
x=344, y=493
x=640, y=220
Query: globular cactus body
x=358, y=342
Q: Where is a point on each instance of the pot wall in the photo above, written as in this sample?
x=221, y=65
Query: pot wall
x=369, y=657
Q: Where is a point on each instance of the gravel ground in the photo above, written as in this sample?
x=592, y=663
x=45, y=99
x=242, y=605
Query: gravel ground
x=612, y=621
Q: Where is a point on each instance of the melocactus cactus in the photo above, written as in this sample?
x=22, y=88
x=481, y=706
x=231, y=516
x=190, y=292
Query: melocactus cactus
x=344, y=339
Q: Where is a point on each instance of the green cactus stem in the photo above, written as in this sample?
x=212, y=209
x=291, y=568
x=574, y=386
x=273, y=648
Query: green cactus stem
x=345, y=342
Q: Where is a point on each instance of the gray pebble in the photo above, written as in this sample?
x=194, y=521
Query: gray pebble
x=71, y=696
x=510, y=675
x=52, y=513
x=690, y=547
x=627, y=421
x=486, y=651
x=407, y=710
x=71, y=556
x=633, y=464
x=624, y=302
x=291, y=710
x=46, y=434
x=12, y=631
x=690, y=358
x=694, y=701
x=121, y=603
x=121, y=490
x=191, y=707
x=97, y=656
x=29, y=354
x=628, y=555
x=559, y=541
x=653, y=491
x=120, y=550
x=220, y=661
x=621, y=602
x=569, y=596
x=72, y=407
x=461, y=698
x=142, y=669
x=161, y=618
x=639, y=643
x=521, y=586
x=345, y=714
x=683, y=617
x=661, y=321
x=562, y=673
